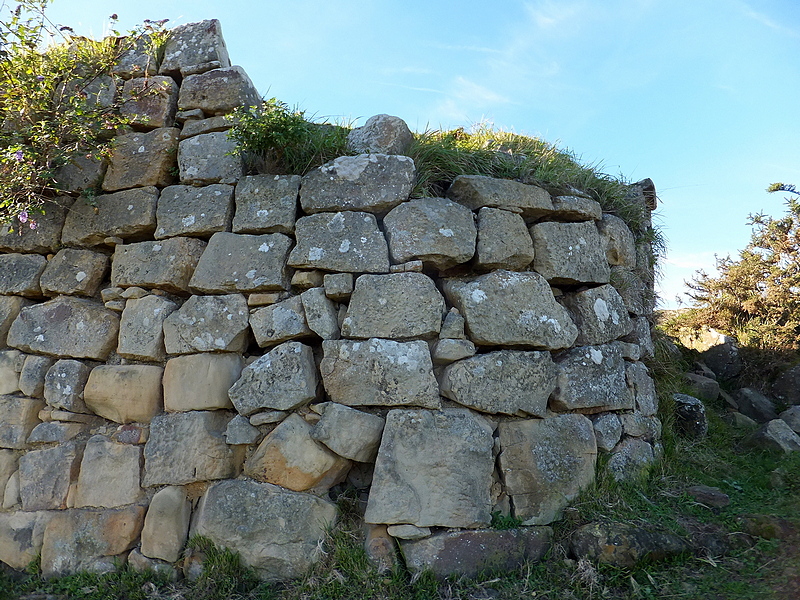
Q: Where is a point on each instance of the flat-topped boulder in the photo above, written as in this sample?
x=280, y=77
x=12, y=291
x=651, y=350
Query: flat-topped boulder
x=165, y=264
x=478, y=191
x=208, y=324
x=194, y=48
x=569, y=253
x=74, y=271
x=20, y=274
x=218, y=91
x=193, y=211
x=142, y=159
x=592, y=379
x=128, y=214
x=266, y=204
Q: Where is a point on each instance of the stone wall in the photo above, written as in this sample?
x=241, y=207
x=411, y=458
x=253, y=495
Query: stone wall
x=201, y=351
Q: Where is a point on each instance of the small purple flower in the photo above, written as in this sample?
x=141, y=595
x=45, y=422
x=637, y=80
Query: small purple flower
x=32, y=224
x=23, y=217
x=40, y=78
x=19, y=155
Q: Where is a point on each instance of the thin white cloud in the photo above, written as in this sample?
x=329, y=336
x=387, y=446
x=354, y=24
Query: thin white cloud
x=413, y=88
x=464, y=48
x=766, y=20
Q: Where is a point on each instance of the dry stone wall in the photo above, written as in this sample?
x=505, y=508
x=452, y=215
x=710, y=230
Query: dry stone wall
x=203, y=351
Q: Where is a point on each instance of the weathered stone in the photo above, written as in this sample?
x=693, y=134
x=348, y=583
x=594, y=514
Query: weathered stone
x=372, y=183
x=395, y=306
x=19, y=416
x=243, y=263
x=46, y=237
x=607, y=430
x=321, y=313
x=305, y=280
x=150, y=102
x=109, y=475
x=631, y=352
x=433, y=469
x=755, y=405
x=790, y=416
x=11, y=497
x=133, y=433
x=45, y=476
x=439, y=232
x=188, y=446
x=165, y=264
x=338, y=286
x=503, y=241
x=89, y=540
x=275, y=531
x=704, y=388
x=349, y=433
x=637, y=298
x=630, y=459
x=786, y=387
x=408, y=532
x=268, y=418
x=208, y=324
x=600, y=315
x=140, y=563
x=21, y=535
x=20, y=274
x=346, y=241
x=776, y=435
x=125, y=393
x=200, y=381
x=453, y=326
x=10, y=307
x=592, y=378
x=64, y=384
x=380, y=548
x=11, y=364
x=412, y=266
x=193, y=211
x=512, y=309
x=511, y=382
x=138, y=58
x=709, y=496
x=194, y=48
x=478, y=191
x=208, y=158
x=193, y=127
x=280, y=322
x=189, y=116
x=55, y=432
x=218, y=91
x=469, y=553
x=66, y=326
x=618, y=241
x=446, y=351
x=166, y=525
x=569, y=253
x=720, y=352
x=379, y=372
x=266, y=204
x=31, y=378
x=241, y=431
x=142, y=159
x=81, y=172
x=283, y=379
x=575, y=208
x=9, y=462
x=643, y=388
x=141, y=335
x=624, y=545
x=128, y=214
x=545, y=463
x=289, y=457
x=637, y=425
x=382, y=134
x=73, y=271
x=265, y=299
x=642, y=336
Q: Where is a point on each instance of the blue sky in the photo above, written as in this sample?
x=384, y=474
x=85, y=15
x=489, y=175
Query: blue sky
x=699, y=95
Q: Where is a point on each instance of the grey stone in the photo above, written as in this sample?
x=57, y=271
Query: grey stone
x=208, y=324
x=379, y=372
x=45, y=476
x=637, y=425
x=511, y=382
x=10, y=307
x=64, y=384
x=642, y=336
x=575, y=208
x=125, y=393
x=545, y=463
x=266, y=204
x=618, y=241
x=776, y=435
x=81, y=172
x=710, y=496
x=141, y=335
x=19, y=416
x=791, y=416
x=9, y=462
x=433, y=469
x=372, y=183
x=321, y=313
x=446, y=351
x=20, y=274
x=512, y=309
x=408, y=532
x=439, y=232
x=569, y=253
x=200, y=381
x=592, y=379
x=478, y=191
x=150, y=102
x=702, y=387
x=194, y=48
x=164, y=264
x=240, y=431
x=51, y=432
x=19, y=237
x=631, y=352
x=11, y=364
x=349, y=433
x=305, y=280
x=637, y=298
x=267, y=418
x=243, y=263
x=186, y=447
x=109, y=475
x=188, y=210
x=142, y=159
x=346, y=241
x=138, y=58
x=755, y=405
x=624, y=545
x=283, y=379
x=453, y=326
x=786, y=387
x=280, y=322
x=503, y=241
x=129, y=214
x=630, y=459
x=218, y=91
x=193, y=127
x=394, y=306
x=275, y=531
x=73, y=271
x=607, y=430
x=66, y=326
x=166, y=525
x=383, y=134
x=21, y=536
x=643, y=388
x=209, y=158
x=600, y=315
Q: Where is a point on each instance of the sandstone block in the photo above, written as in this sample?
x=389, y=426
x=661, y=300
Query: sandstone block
x=10, y=307
x=19, y=416
x=200, y=381
x=166, y=525
x=446, y=351
x=11, y=364
x=21, y=536
x=16, y=237
x=630, y=459
x=45, y=476
x=128, y=214
x=74, y=271
x=569, y=253
x=592, y=379
x=776, y=435
x=195, y=48
x=453, y=326
x=756, y=405
x=150, y=102
x=439, y=232
x=9, y=462
x=791, y=416
x=372, y=183
x=31, y=378
x=109, y=475
x=20, y=274
x=241, y=432
x=266, y=204
x=165, y=264
x=607, y=430
x=321, y=313
x=280, y=322
x=51, y=432
x=503, y=241
x=600, y=315
x=81, y=172
x=193, y=211
x=346, y=241
x=207, y=158
x=545, y=463
x=64, y=384
x=142, y=159
x=124, y=393
x=208, y=324
x=381, y=134
x=141, y=335
x=433, y=469
x=702, y=387
x=338, y=286
x=618, y=241
x=379, y=372
x=193, y=127
x=218, y=91
x=349, y=433
x=478, y=191
x=575, y=208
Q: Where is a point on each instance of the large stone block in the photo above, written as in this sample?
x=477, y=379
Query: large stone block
x=643, y=387
x=165, y=264
x=283, y=379
x=266, y=204
x=109, y=475
x=512, y=309
x=124, y=393
x=439, y=232
x=10, y=307
x=503, y=241
x=349, y=242
x=45, y=476
x=138, y=58
x=19, y=416
x=129, y=214
x=21, y=536
x=545, y=463
x=322, y=315
x=511, y=382
x=368, y=182
x=280, y=322
x=20, y=274
x=186, y=447
x=349, y=433
x=209, y=158
x=600, y=315
x=433, y=469
x=395, y=306
x=150, y=102
x=243, y=263
x=630, y=460
x=46, y=237
x=141, y=335
x=575, y=208
x=478, y=191
x=73, y=271
x=218, y=91
x=618, y=241
x=64, y=384
x=569, y=253
x=200, y=381
x=142, y=159
x=81, y=172
x=208, y=324
x=166, y=525
x=11, y=365
x=193, y=211
x=275, y=531
x=379, y=372
x=31, y=378
x=383, y=134
x=194, y=48
x=66, y=326
x=637, y=298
